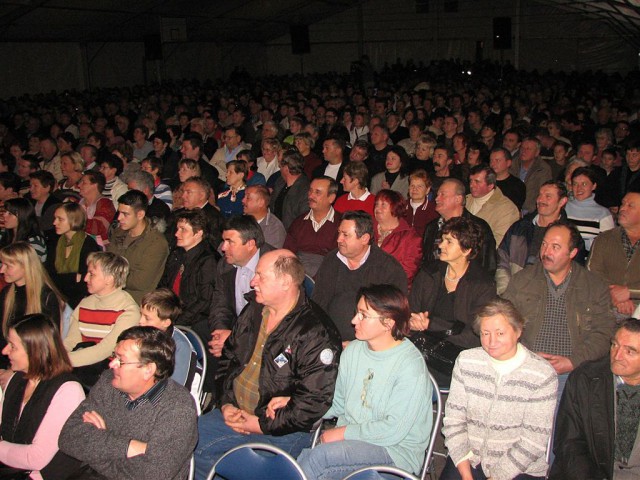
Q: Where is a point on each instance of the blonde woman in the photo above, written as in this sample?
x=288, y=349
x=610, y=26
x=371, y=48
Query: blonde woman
x=72, y=166
x=68, y=265
x=29, y=289
x=102, y=316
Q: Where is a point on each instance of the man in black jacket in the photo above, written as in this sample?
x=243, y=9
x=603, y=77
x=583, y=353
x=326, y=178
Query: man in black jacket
x=597, y=422
x=242, y=246
x=282, y=345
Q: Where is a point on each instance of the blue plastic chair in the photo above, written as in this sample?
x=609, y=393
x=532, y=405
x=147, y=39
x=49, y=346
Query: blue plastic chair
x=256, y=460
x=308, y=285
x=201, y=357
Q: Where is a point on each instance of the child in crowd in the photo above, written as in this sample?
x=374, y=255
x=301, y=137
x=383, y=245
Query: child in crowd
x=160, y=309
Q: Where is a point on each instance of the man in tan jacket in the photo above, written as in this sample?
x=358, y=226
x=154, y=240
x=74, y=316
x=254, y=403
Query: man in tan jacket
x=487, y=202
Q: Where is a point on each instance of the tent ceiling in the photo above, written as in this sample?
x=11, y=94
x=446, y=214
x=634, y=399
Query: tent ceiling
x=119, y=20
x=223, y=21
x=623, y=16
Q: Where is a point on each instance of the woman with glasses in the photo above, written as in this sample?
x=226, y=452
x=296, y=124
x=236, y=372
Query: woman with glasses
x=382, y=398
x=38, y=399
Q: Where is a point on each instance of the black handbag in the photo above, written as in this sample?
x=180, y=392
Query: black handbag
x=439, y=353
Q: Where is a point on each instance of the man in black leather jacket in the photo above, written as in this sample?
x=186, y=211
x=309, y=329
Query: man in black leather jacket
x=278, y=367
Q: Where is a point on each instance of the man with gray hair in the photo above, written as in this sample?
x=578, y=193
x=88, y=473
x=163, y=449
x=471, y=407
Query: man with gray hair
x=158, y=211
x=450, y=203
x=532, y=170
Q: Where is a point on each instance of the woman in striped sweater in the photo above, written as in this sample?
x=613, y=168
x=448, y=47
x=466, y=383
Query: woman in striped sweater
x=499, y=413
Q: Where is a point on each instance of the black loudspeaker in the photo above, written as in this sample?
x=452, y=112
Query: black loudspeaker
x=502, y=33
x=300, y=39
x=153, y=47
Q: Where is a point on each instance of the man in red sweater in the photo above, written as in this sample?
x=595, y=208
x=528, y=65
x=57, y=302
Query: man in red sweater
x=312, y=235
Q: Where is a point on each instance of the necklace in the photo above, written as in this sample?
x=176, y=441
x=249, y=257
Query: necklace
x=446, y=275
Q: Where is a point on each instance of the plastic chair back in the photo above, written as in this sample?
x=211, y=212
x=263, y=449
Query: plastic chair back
x=256, y=460
x=308, y=285
x=374, y=473
x=201, y=358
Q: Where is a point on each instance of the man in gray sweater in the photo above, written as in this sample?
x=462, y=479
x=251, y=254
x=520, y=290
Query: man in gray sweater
x=136, y=422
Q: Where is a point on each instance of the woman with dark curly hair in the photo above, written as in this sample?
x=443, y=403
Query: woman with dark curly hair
x=446, y=294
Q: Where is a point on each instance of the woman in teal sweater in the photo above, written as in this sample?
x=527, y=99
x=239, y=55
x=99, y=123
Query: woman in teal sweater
x=382, y=398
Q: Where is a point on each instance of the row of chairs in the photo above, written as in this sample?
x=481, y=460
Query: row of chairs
x=259, y=460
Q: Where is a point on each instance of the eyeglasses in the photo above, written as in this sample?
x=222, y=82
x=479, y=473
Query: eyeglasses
x=361, y=316
x=116, y=362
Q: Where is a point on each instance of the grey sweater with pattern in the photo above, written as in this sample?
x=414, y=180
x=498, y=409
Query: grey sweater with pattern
x=505, y=422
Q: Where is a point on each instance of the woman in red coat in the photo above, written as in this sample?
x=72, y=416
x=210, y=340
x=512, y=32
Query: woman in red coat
x=394, y=235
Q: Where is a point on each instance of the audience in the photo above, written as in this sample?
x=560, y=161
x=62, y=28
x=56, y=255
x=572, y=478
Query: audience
x=313, y=235
x=446, y=294
x=590, y=142
x=420, y=209
x=596, y=426
x=394, y=235
x=256, y=203
x=356, y=263
x=190, y=271
x=99, y=209
x=160, y=309
x=21, y=225
x=136, y=239
x=566, y=307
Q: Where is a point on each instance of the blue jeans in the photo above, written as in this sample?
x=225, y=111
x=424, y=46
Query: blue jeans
x=216, y=438
x=450, y=472
x=336, y=460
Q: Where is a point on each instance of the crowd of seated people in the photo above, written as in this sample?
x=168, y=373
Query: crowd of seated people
x=314, y=233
